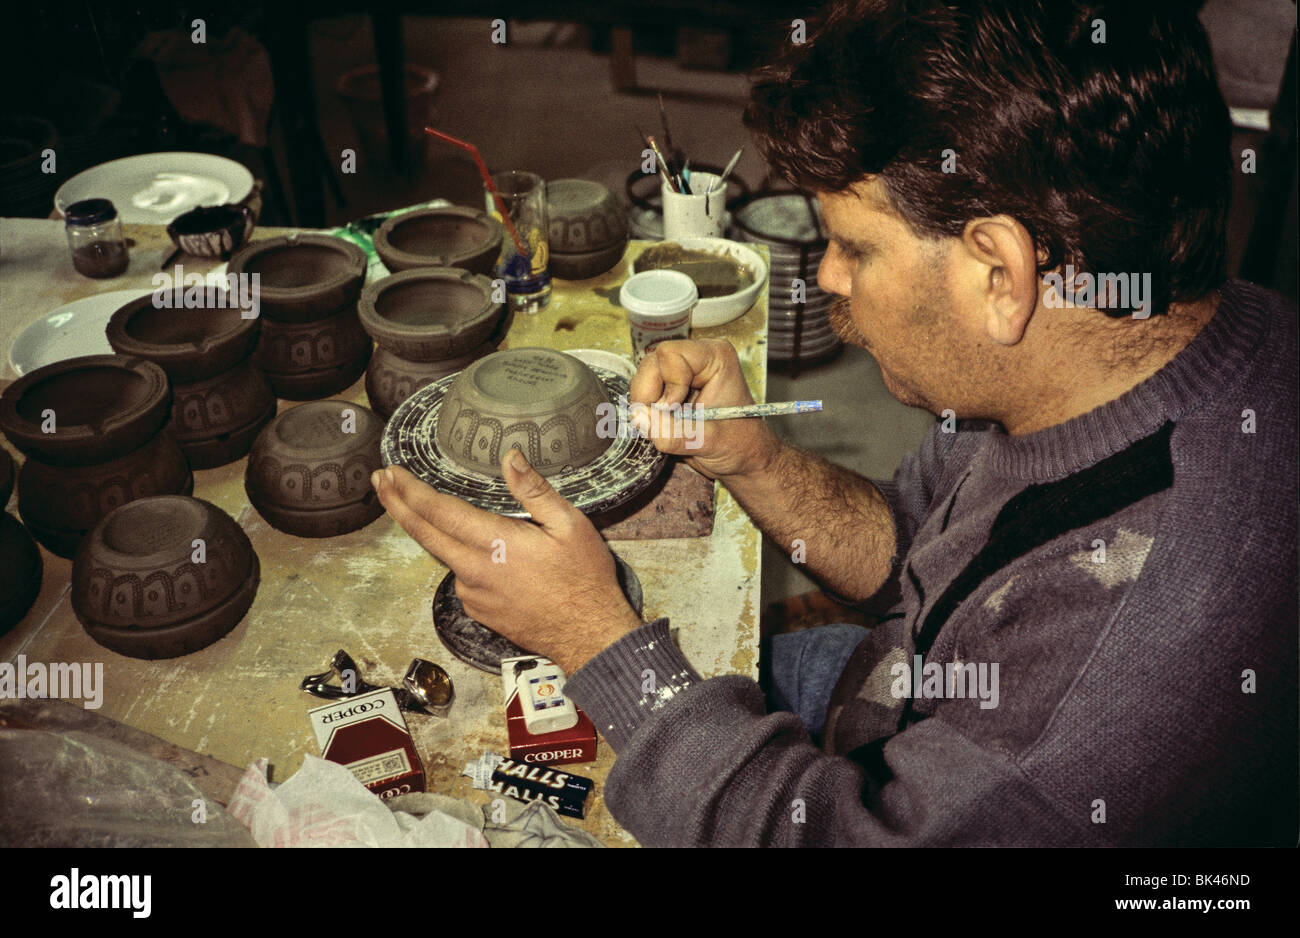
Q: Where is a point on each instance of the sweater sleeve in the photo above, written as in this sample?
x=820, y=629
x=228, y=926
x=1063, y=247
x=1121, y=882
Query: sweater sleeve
x=702, y=763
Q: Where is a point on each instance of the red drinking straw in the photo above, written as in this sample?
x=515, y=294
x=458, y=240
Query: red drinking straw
x=487, y=181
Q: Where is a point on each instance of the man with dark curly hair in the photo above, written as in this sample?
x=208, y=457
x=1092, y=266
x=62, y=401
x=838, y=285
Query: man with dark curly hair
x=1088, y=570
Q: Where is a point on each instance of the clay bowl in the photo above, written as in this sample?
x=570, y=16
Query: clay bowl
x=216, y=421
x=138, y=590
x=189, y=343
x=391, y=379
x=6, y=477
x=59, y=504
x=299, y=348
x=104, y=406
x=309, y=475
x=540, y=401
x=213, y=230
x=303, y=277
x=429, y=313
x=586, y=266
x=584, y=217
x=440, y=237
x=20, y=572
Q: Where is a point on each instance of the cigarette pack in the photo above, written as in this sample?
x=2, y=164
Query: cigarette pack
x=562, y=747
x=367, y=734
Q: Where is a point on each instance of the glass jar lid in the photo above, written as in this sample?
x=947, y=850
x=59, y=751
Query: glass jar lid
x=90, y=212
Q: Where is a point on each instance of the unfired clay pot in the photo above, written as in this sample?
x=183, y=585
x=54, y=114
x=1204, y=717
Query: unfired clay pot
x=391, y=380
x=59, y=504
x=309, y=470
x=303, y=277
x=99, y=407
x=429, y=313
x=189, y=343
x=303, y=361
x=538, y=400
x=6, y=477
x=440, y=237
x=162, y=577
x=216, y=421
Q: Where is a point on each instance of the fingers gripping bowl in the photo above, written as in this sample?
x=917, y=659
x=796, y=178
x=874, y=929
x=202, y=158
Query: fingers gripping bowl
x=562, y=414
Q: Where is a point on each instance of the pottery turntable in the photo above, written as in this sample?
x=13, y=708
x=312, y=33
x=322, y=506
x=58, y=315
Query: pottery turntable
x=561, y=413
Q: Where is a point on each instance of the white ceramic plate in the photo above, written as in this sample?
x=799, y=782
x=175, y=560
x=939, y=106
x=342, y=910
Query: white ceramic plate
x=717, y=310
x=610, y=361
x=70, y=331
x=153, y=188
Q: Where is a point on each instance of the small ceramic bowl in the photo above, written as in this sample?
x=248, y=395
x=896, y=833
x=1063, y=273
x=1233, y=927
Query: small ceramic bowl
x=538, y=400
x=309, y=471
x=189, y=343
x=138, y=589
x=440, y=237
x=59, y=504
x=100, y=407
x=586, y=266
x=429, y=313
x=213, y=230
x=584, y=217
x=314, y=385
x=20, y=572
x=719, y=310
x=391, y=379
x=303, y=277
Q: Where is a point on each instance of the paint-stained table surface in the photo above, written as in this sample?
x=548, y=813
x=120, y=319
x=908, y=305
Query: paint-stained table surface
x=370, y=591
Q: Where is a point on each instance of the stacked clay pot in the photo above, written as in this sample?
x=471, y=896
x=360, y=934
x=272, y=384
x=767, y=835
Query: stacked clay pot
x=309, y=471
x=429, y=322
x=92, y=429
x=311, y=343
x=588, y=228
x=163, y=577
x=20, y=559
x=220, y=399
x=440, y=237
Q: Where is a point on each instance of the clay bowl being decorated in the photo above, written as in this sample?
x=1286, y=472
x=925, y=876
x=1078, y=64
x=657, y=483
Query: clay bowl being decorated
x=189, y=343
x=391, y=379
x=162, y=577
x=537, y=400
x=309, y=470
x=20, y=572
x=429, y=313
x=563, y=414
x=584, y=217
x=440, y=237
x=59, y=504
x=85, y=410
x=303, y=277
x=212, y=230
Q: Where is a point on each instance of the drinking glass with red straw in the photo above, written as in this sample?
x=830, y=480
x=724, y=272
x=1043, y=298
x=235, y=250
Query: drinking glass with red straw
x=487, y=181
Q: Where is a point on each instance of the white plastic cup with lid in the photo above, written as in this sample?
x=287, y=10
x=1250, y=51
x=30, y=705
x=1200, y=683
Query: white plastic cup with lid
x=659, y=305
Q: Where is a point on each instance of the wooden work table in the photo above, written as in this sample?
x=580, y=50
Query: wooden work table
x=370, y=591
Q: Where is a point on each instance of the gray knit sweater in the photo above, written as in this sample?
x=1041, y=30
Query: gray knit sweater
x=1131, y=574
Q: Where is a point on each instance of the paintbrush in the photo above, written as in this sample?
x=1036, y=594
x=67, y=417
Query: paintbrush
x=662, y=162
x=663, y=120
x=776, y=409
x=722, y=180
x=663, y=170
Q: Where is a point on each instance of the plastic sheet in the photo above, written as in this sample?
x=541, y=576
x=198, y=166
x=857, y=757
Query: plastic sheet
x=78, y=790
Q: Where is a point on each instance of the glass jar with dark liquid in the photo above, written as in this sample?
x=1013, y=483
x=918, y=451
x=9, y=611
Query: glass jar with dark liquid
x=95, y=238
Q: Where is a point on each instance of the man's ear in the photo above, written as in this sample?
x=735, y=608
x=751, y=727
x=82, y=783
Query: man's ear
x=1000, y=255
